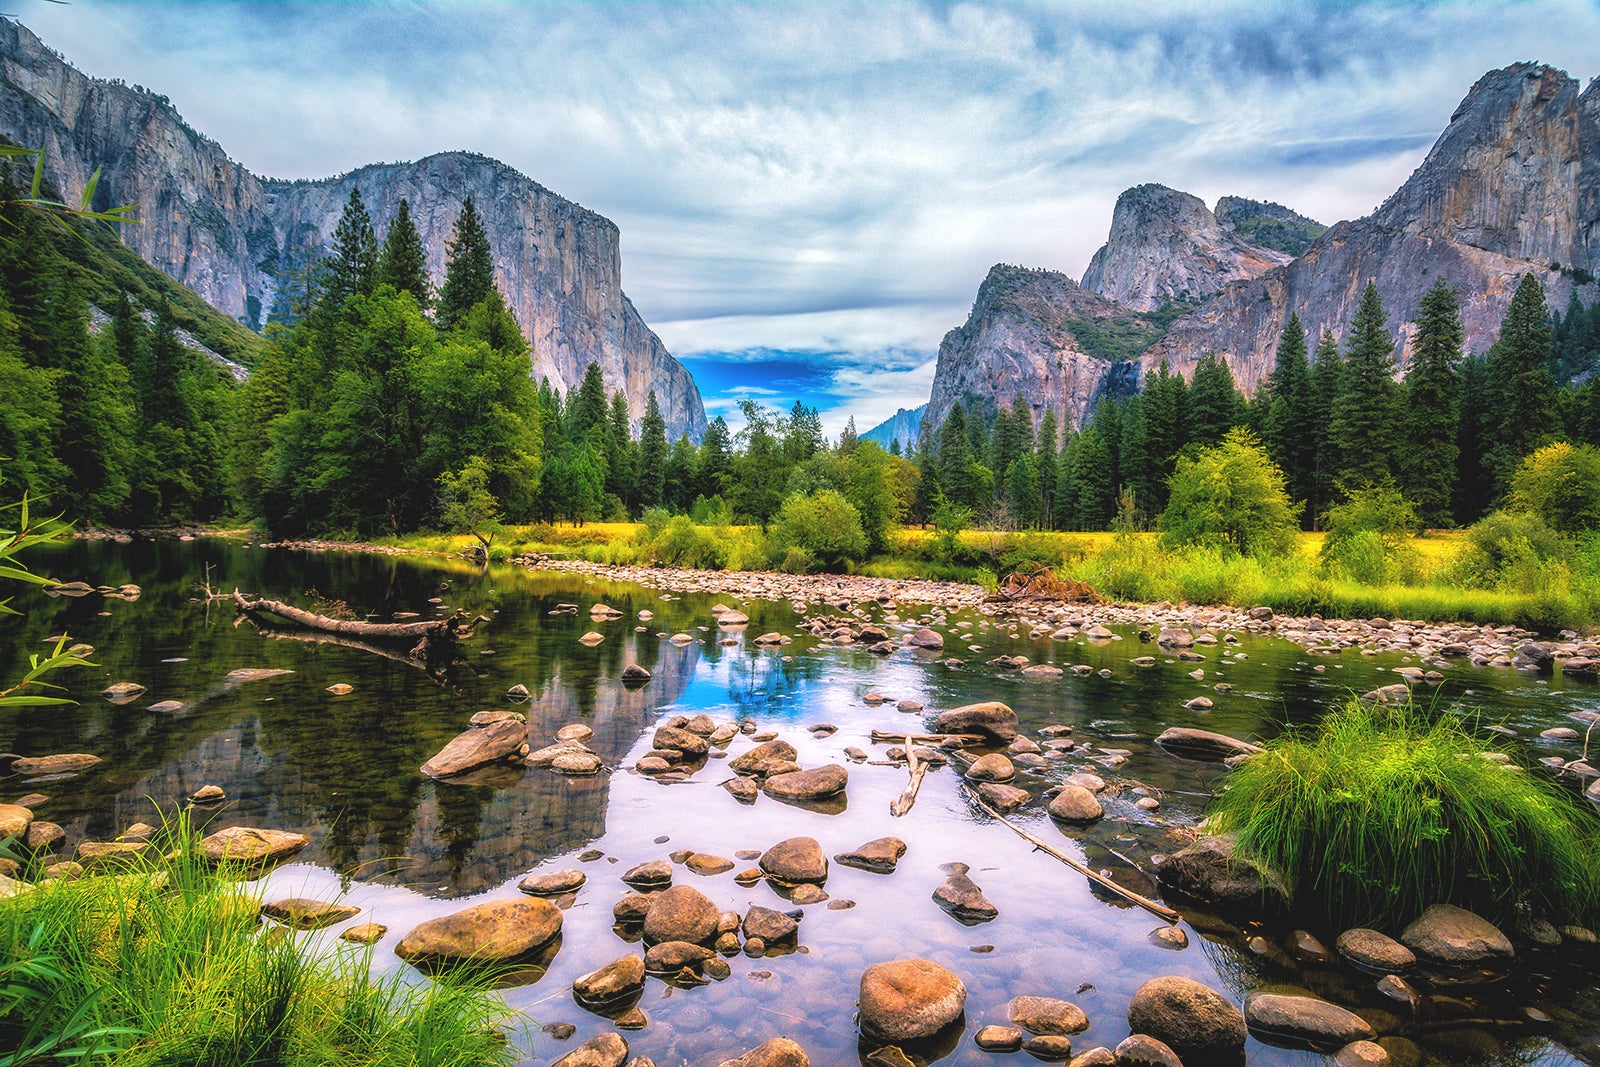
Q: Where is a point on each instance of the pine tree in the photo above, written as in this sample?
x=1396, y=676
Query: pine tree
x=1022, y=491
x=1093, y=480
x=619, y=452
x=1288, y=413
x=847, y=440
x=955, y=458
x=1047, y=457
x=95, y=428
x=1519, y=365
x=1477, y=421
x=352, y=267
x=715, y=466
x=652, y=455
x=678, y=484
x=1215, y=406
x=1164, y=402
x=469, y=273
x=403, y=262
x=802, y=437
x=1364, y=416
x=1432, y=408
x=586, y=409
x=1327, y=382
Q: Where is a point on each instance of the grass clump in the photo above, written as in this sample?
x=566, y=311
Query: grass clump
x=165, y=963
x=1381, y=811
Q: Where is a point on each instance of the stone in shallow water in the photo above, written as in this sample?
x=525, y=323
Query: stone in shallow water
x=61, y=763
x=1075, y=804
x=1214, y=872
x=484, y=933
x=999, y=1038
x=1307, y=1019
x=994, y=767
x=479, y=747
x=681, y=913
x=364, y=933
x=779, y=1052
x=806, y=893
x=1003, y=798
x=906, y=1000
x=701, y=863
x=306, y=914
x=992, y=720
x=244, y=844
x=760, y=759
x=1142, y=1050
x=1451, y=935
x=1191, y=1019
x=607, y=1050
x=14, y=820
x=652, y=874
x=669, y=957
x=1047, y=1015
x=1375, y=952
x=1051, y=1047
x=962, y=898
x=772, y=927
x=552, y=883
x=815, y=784
x=794, y=861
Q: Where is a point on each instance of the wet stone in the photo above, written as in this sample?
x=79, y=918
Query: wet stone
x=607, y=1050
x=998, y=1038
x=681, y=913
x=1191, y=1019
x=878, y=856
x=1050, y=1047
x=701, y=863
x=552, y=883
x=906, y=1000
x=652, y=874
x=994, y=767
x=1375, y=952
x=768, y=925
x=364, y=933
x=1307, y=1019
x=794, y=861
x=962, y=898
x=1076, y=805
x=1142, y=1050
x=306, y=914
x=1003, y=798
x=1047, y=1015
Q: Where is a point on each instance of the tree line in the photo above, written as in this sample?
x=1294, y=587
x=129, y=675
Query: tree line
x=1448, y=437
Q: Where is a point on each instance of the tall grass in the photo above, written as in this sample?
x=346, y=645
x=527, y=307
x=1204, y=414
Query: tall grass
x=1381, y=811
x=168, y=952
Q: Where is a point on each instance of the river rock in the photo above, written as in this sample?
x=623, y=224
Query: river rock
x=633, y=675
x=961, y=897
x=1142, y=1050
x=994, y=767
x=1075, y=804
x=993, y=720
x=61, y=763
x=1374, y=952
x=733, y=618
x=878, y=856
x=1307, y=1019
x=925, y=638
x=760, y=761
x=703, y=864
x=255, y=674
x=654, y=874
x=998, y=1039
x=1047, y=1015
x=1203, y=745
x=484, y=933
x=631, y=909
x=772, y=927
x=479, y=747
x=43, y=836
x=14, y=820
x=607, y=1050
x=105, y=853
x=670, y=957
x=1213, y=871
x=681, y=913
x=682, y=740
x=576, y=763
x=779, y=1052
x=552, y=883
x=794, y=861
x=575, y=731
x=1362, y=1054
x=1191, y=1019
x=742, y=788
x=208, y=794
x=306, y=914
x=1453, y=936
x=615, y=981
x=247, y=845
x=122, y=692
x=815, y=784
x=1003, y=798
x=907, y=1000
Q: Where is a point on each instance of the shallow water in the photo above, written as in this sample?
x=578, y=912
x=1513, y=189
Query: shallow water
x=342, y=769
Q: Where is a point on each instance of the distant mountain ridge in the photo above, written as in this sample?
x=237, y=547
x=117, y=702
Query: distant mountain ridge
x=1511, y=186
x=237, y=239
x=902, y=426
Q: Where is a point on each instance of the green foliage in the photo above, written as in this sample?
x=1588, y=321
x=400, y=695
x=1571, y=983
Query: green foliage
x=1268, y=225
x=469, y=271
x=1523, y=394
x=169, y=964
x=1215, y=406
x=822, y=524
x=1363, y=413
x=1382, y=811
x=1124, y=337
x=403, y=262
x=465, y=503
x=1560, y=483
x=1430, y=459
x=1367, y=535
x=1230, y=496
x=1288, y=413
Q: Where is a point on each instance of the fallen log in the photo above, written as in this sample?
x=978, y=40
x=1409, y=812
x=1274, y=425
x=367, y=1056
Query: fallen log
x=433, y=642
x=889, y=737
x=902, y=803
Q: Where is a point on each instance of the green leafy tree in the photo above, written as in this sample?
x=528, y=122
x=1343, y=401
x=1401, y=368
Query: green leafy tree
x=1365, y=412
x=465, y=503
x=469, y=271
x=1230, y=496
x=1433, y=407
x=403, y=262
x=821, y=529
x=1560, y=483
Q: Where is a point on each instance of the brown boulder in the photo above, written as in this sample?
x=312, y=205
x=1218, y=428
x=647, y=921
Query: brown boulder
x=1047, y=1015
x=991, y=719
x=484, y=933
x=907, y=1000
x=760, y=760
x=878, y=856
x=681, y=913
x=615, y=981
x=1189, y=1018
x=1454, y=936
x=815, y=784
x=247, y=845
x=795, y=861
x=779, y=1052
x=607, y=1050
x=479, y=747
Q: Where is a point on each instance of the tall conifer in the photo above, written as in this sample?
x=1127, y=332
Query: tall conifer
x=1364, y=415
x=403, y=262
x=1519, y=366
x=469, y=273
x=1432, y=408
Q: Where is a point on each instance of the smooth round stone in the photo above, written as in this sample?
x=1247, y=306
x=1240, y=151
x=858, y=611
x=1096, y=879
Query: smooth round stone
x=999, y=1038
x=553, y=883
x=576, y=763
x=1361, y=1054
x=247, y=845
x=779, y=1052
x=1047, y=1015
x=794, y=861
x=364, y=933
x=615, y=981
x=1051, y=1047
x=575, y=731
x=654, y=873
x=681, y=913
x=1375, y=952
x=815, y=784
x=305, y=914
x=607, y=1050
x=1169, y=937
x=701, y=863
x=652, y=765
x=669, y=957
x=1453, y=936
x=1142, y=1050
x=994, y=767
x=906, y=1000
x=1099, y=1056
x=1308, y=1019
x=1191, y=1019
x=1075, y=804
x=485, y=933
x=1087, y=780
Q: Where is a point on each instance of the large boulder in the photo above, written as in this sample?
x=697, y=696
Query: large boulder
x=689, y=744
x=907, y=1000
x=925, y=638
x=991, y=767
x=1213, y=871
x=1204, y=745
x=1307, y=1019
x=247, y=845
x=1456, y=937
x=1193, y=1020
x=779, y=1052
x=14, y=820
x=681, y=913
x=814, y=784
x=479, y=747
x=1373, y=951
x=484, y=933
x=1075, y=804
x=794, y=861
x=991, y=719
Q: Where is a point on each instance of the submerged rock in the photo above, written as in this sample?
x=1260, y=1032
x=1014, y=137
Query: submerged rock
x=607, y=1050
x=1204, y=745
x=1213, y=871
x=779, y=1052
x=878, y=856
x=1191, y=1019
x=907, y=1000
x=1307, y=1019
x=479, y=747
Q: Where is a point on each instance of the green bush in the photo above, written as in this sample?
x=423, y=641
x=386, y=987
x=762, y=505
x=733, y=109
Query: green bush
x=682, y=543
x=1382, y=811
x=823, y=524
x=1560, y=483
x=1231, y=496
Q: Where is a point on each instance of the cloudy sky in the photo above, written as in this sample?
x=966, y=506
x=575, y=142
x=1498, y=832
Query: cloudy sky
x=809, y=193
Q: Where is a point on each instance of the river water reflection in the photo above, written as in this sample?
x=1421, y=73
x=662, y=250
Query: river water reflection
x=343, y=769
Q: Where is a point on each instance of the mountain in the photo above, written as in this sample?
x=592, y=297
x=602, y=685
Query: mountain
x=1512, y=185
x=1039, y=335
x=1167, y=246
x=902, y=426
x=239, y=240
x=1268, y=225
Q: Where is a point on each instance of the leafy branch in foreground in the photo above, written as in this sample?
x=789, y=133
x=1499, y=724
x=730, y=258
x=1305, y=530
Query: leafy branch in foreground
x=29, y=533
x=37, y=199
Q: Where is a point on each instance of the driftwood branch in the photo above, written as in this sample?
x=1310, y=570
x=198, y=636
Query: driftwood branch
x=887, y=737
x=434, y=642
x=1159, y=910
x=902, y=803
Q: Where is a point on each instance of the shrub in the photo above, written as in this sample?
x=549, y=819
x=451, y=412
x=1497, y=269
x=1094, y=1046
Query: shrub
x=1560, y=483
x=823, y=524
x=1504, y=541
x=681, y=543
x=1381, y=811
x=1229, y=496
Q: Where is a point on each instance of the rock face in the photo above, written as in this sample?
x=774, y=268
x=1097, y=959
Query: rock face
x=237, y=239
x=902, y=426
x=1019, y=340
x=1166, y=245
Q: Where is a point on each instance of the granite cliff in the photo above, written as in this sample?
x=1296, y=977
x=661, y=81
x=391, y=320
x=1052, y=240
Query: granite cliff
x=236, y=238
x=902, y=426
